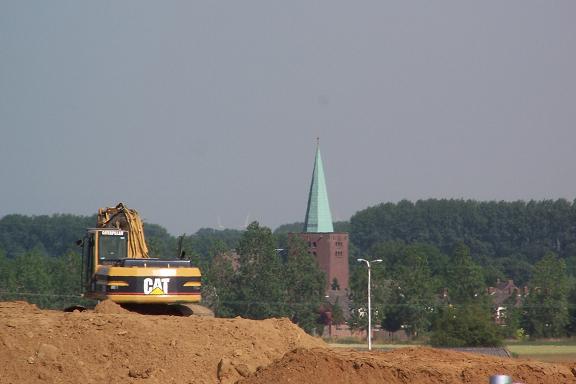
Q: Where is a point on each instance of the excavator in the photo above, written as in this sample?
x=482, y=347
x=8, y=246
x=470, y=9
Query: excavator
x=116, y=266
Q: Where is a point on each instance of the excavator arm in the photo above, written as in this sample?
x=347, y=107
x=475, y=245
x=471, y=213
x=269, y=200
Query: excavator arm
x=121, y=217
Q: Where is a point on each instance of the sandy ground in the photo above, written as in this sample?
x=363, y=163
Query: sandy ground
x=110, y=345
x=407, y=365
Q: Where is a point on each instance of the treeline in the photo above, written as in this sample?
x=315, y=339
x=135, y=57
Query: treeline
x=40, y=261
x=440, y=256
x=56, y=235
x=438, y=259
x=425, y=292
x=52, y=236
x=243, y=272
x=259, y=281
x=507, y=238
x=50, y=282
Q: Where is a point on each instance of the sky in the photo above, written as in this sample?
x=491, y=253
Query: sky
x=206, y=113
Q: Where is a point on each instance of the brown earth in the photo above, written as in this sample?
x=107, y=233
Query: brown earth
x=407, y=365
x=110, y=345
x=110, y=307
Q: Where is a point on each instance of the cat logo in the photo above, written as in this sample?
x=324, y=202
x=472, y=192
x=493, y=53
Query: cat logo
x=156, y=286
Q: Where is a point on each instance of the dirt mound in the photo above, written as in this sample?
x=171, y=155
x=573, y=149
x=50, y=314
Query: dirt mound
x=113, y=346
x=410, y=365
x=110, y=307
x=90, y=347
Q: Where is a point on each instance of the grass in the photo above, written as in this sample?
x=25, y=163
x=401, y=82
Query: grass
x=554, y=350
x=544, y=351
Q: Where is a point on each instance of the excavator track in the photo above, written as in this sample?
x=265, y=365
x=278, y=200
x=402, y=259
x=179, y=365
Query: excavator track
x=184, y=310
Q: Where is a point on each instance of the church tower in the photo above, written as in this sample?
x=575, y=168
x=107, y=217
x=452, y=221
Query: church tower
x=330, y=248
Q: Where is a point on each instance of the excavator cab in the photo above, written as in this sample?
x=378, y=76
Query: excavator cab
x=112, y=245
x=101, y=247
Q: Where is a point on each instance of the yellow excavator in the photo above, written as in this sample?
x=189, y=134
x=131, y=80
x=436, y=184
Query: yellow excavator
x=116, y=266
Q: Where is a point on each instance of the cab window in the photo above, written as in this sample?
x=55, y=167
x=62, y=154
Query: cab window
x=112, y=247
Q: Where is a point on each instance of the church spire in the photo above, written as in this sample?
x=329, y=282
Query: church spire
x=318, y=216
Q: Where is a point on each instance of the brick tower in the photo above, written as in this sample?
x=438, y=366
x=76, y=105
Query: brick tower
x=330, y=248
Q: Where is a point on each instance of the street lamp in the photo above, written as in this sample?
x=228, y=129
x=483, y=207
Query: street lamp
x=369, y=305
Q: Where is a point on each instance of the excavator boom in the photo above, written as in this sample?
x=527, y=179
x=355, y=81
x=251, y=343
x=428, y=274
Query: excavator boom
x=121, y=217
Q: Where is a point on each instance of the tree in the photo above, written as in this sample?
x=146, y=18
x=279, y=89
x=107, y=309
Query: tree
x=261, y=290
x=305, y=284
x=207, y=243
x=7, y=279
x=546, y=307
x=263, y=286
x=519, y=230
x=380, y=286
x=218, y=291
x=160, y=243
x=464, y=278
x=412, y=294
x=65, y=273
x=32, y=280
x=467, y=321
x=464, y=326
x=55, y=234
x=571, y=328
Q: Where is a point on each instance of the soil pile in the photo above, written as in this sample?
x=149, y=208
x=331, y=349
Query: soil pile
x=110, y=345
x=409, y=365
x=40, y=346
x=108, y=306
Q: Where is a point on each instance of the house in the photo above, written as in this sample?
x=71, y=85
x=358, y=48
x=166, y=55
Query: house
x=503, y=295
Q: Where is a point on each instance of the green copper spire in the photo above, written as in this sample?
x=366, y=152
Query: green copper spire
x=318, y=216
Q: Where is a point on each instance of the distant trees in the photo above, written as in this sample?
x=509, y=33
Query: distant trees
x=413, y=293
x=546, y=307
x=40, y=261
x=407, y=294
x=50, y=282
x=464, y=326
x=512, y=236
x=218, y=287
x=380, y=287
x=403, y=288
x=466, y=319
x=160, y=243
x=56, y=235
x=50, y=235
x=497, y=240
x=207, y=243
x=464, y=278
x=305, y=284
x=426, y=246
x=264, y=285
x=260, y=288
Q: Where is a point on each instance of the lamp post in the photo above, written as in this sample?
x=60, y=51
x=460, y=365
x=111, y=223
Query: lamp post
x=369, y=301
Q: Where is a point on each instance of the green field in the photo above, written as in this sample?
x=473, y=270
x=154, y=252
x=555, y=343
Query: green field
x=545, y=352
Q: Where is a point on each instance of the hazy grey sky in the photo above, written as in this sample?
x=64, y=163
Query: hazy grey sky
x=199, y=111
